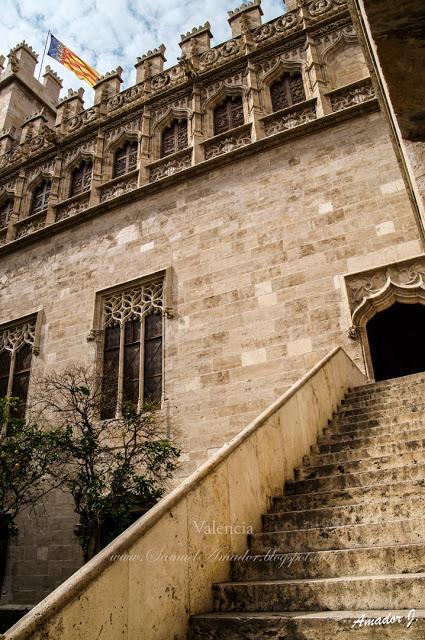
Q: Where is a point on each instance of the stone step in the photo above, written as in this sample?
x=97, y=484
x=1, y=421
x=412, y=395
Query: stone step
x=350, y=495
x=390, y=532
x=336, y=594
x=367, y=464
x=353, y=432
x=362, y=454
x=410, y=379
x=390, y=507
x=330, y=564
x=303, y=625
x=378, y=407
x=382, y=418
x=407, y=388
x=355, y=440
x=367, y=478
x=384, y=401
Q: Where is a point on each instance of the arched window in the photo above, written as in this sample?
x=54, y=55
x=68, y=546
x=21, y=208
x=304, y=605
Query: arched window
x=286, y=91
x=5, y=211
x=228, y=115
x=174, y=137
x=81, y=178
x=40, y=197
x=125, y=159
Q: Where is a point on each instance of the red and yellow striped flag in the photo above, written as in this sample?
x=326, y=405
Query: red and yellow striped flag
x=70, y=60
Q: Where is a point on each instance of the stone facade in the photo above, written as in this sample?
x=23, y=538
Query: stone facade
x=254, y=228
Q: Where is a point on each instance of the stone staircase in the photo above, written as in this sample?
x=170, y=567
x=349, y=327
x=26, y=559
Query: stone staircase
x=347, y=538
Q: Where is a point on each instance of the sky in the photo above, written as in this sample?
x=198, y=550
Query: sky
x=111, y=33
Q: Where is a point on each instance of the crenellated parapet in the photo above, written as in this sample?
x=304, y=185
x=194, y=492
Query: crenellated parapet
x=269, y=81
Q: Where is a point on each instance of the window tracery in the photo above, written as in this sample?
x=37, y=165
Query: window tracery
x=228, y=115
x=132, y=350
x=5, y=211
x=125, y=159
x=40, y=197
x=174, y=138
x=16, y=348
x=286, y=91
x=81, y=178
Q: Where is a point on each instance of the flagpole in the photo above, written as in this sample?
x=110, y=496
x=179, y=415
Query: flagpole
x=44, y=55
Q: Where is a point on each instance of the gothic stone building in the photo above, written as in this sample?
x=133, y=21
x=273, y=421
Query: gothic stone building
x=207, y=234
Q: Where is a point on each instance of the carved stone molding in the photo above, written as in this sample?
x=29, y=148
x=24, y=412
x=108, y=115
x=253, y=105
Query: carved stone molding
x=327, y=42
x=284, y=25
x=170, y=165
x=124, y=185
x=130, y=127
x=83, y=118
x=68, y=209
x=130, y=95
x=296, y=55
x=46, y=168
x=289, y=118
x=317, y=9
x=221, y=54
x=236, y=81
x=31, y=225
x=161, y=109
x=8, y=186
x=351, y=95
x=228, y=141
x=86, y=147
x=376, y=289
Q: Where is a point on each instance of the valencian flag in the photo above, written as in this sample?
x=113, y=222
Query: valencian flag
x=69, y=59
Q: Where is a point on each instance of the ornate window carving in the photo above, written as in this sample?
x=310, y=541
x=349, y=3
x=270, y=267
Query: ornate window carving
x=174, y=138
x=81, y=178
x=17, y=343
x=5, y=211
x=125, y=159
x=132, y=349
x=40, y=197
x=286, y=91
x=228, y=115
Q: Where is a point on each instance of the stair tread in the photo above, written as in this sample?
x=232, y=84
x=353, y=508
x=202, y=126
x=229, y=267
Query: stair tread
x=339, y=579
x=341, y=526
x=335, y=551
x=373, y=613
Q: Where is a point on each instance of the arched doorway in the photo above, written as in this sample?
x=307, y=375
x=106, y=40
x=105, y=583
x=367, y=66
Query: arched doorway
x=396, y=339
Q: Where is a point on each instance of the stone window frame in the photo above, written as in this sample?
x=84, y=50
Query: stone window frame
x=14, y=334
x=276, y=74
x=216, y=100
x=6, y=197
x=26, y=205
x=111, y=149
x=68, y=171
x=97, y=333
x=176, y=124
x=161, y=125
x=45, y=187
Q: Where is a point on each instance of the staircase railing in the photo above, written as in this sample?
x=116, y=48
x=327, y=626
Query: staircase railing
x=159, y=572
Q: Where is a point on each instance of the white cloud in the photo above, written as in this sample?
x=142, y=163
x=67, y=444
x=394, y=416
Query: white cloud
x=108, y=33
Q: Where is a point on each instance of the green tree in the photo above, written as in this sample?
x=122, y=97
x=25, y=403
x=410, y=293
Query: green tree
x=116, y=469
x=31, y=465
